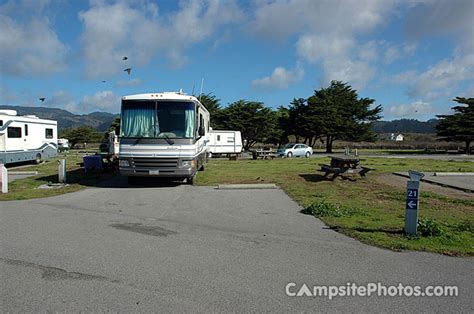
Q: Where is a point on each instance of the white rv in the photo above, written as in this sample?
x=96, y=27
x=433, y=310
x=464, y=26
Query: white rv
x=63, y=143
x=222, y=142
x=26, y=138
x=163, y=135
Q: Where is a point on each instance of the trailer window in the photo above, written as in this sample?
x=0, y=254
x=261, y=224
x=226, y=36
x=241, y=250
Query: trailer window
x=26, y=129
x=14, y=132
x=218, y=137
x=230, y=140
x=1, y=122
x=49, y=133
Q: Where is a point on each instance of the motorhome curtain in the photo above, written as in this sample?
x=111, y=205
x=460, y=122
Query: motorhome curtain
x=140, y=122
x=189, y=121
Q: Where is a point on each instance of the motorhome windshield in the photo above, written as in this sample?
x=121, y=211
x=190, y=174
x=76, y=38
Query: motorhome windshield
x=158, y=119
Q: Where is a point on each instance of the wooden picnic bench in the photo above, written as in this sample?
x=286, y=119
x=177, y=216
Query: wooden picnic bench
x=344, y=165
x=263, y=154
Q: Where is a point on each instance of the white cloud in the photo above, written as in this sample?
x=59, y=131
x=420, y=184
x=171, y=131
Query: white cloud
x=403, y=77
x=418, y=108
x=137, y=31
x=334, y=54
x=7, y=97
x=445, y=18
x=313, y=48
x=100, y=101
x=62, y=99
x=369, y=51
x=30, y=48
x=443, y=78
x=394, y=52
x=356, y=73
x=109, y=36
x=130, y=83
x=281, y=78
x=327, y=33
x=283, y=18
x=441, y=17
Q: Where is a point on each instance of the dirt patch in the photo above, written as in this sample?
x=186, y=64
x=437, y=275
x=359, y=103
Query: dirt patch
x=401, y=182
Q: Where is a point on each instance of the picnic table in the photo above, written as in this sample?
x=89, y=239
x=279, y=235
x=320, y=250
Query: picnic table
x=263, y=154
x=344, y=165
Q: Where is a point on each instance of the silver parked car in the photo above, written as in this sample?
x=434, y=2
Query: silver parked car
x=291, y=150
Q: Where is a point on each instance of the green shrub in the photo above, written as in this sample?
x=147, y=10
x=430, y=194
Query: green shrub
x=465, y=225
x=324, y=209
x=429, y=227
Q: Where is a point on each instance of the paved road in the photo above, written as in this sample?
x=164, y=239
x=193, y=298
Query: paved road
x=460, y=181
x=412, y=156
x=394, y=156
x=198, y=249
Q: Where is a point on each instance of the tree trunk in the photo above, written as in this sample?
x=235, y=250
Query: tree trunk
x=468, y=147
x=329, y=141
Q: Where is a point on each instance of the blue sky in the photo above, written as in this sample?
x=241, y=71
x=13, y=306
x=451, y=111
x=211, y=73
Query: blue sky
x=412, y=56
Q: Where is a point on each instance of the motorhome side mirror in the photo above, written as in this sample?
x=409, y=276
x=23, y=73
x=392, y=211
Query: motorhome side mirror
x=201, y=131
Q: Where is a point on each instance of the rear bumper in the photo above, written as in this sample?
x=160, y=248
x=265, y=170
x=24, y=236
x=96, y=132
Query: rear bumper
x=178, y=173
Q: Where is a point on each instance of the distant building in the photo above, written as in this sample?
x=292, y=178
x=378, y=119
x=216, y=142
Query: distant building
x=392, y=137
x=399, y=138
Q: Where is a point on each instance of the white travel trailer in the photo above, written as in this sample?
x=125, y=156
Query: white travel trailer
x=222, y=142
x=63, y=143
x=163, y=135
x=26, y=138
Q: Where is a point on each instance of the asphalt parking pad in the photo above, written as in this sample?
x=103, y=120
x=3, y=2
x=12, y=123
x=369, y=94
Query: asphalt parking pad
x=198, y=249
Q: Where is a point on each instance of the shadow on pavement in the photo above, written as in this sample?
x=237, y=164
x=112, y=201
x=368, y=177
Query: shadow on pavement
x=111, y=179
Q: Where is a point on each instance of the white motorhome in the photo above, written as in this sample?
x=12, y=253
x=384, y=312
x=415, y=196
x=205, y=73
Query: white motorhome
x=26, y=138
x=163, y=135
x=223, y=142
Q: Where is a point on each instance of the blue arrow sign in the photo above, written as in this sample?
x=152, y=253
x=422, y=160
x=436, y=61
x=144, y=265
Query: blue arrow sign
x=412, y=203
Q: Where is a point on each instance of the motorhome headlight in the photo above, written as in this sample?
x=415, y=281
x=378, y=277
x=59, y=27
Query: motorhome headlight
x=124, y=163
x=188, y=163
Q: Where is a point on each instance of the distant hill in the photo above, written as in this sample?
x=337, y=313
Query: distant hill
x=98, y=120
x=406, y=126
x=102, y=120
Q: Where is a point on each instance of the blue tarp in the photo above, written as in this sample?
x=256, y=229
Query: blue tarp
x=92, y=163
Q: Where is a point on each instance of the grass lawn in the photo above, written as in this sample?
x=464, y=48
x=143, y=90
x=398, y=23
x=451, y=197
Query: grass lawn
x=364, y=209
x=48, y=172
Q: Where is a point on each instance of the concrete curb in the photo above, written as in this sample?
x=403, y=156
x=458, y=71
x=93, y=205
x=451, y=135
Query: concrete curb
x=403, y=174
x=442, y=174
x=246, y=186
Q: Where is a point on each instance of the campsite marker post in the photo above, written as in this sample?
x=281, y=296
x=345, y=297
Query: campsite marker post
x=4, y=178
x=62, y=171
x=412, y=202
